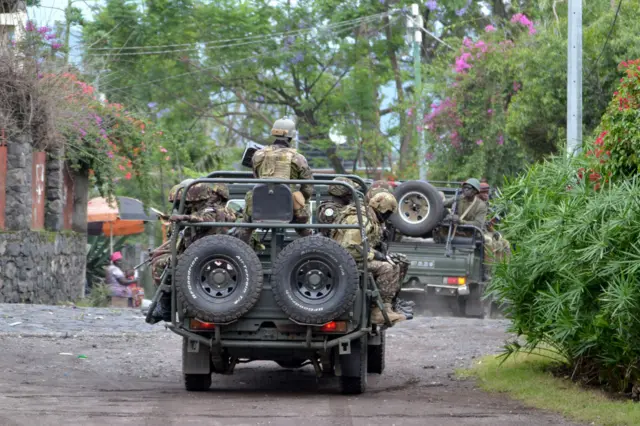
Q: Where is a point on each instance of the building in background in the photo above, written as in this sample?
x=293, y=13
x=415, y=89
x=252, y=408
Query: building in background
x=13, y=18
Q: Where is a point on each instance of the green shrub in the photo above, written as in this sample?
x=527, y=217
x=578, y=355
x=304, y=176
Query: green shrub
x=573, y=281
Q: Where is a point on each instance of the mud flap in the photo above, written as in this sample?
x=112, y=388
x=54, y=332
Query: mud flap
x=196, y=358
x=474, y=306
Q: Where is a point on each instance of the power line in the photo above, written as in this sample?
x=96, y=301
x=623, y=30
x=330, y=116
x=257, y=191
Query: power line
x=256, y=37
x=606, y=41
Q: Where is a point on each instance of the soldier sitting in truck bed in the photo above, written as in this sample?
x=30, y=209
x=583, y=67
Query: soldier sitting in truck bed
x=341, y=197
x=384, y=271
x=470, y=209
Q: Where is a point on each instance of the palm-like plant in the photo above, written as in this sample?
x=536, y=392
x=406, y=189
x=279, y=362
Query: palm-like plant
x=573, y=283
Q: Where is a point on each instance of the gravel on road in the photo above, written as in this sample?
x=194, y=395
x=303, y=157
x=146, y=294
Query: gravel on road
x=90, y=366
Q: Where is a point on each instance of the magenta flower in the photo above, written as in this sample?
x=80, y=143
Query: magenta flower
x=44, y=30
x=419, y=128
x=82, y=132
x=516, y=86
x=489, y=111
x=489, y=28
x=429, y=156
x=501, y=140
x=163, y=149
x=410, y=112
x=56, y=46
x=479, y=142
x=29, y=26
x=110, y=154
x=521, y=18
x=49, y=36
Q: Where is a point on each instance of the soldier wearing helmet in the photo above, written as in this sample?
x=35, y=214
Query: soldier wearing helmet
x=470, y=210
x=386, y=273
x=340, y=198
x=379, y=186
x=280, y=161
x=207, y=204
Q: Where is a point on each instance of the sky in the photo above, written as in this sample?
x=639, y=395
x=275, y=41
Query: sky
x=51, y=11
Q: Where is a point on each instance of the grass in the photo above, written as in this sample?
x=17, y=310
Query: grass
x=526, y=378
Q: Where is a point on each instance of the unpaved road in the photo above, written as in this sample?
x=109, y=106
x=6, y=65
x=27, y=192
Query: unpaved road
x=131, y=376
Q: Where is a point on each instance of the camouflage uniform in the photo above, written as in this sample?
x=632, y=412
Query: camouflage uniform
x=385, y=272
x=377, y=187
x=280, y=161
x=340, y=198
x=208, y=205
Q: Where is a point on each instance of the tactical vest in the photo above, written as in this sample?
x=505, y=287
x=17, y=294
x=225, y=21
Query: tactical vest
x=276, y=163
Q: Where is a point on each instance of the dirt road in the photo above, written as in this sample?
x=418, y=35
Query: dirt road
x=131, y=376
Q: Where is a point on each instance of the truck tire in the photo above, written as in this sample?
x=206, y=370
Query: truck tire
x=314, y=280
x=420, y=208
x=197, y=382
x=218, y=279
x=353, y=380
x=375, y=361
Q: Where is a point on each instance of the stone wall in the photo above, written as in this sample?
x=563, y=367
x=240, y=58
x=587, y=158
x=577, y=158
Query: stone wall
x=41, y=267
x=17, y=215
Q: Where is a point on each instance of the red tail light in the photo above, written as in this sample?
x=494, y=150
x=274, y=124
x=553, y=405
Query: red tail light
x=196, y=324
x=336, y=326
x=455, y=280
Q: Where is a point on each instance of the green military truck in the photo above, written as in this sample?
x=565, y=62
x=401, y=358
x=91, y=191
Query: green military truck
x=444, y=272
x=294, y=300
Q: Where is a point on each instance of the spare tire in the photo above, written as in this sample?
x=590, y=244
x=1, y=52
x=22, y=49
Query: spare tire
x=218, y=279
x=420, y=208
x=314, y=280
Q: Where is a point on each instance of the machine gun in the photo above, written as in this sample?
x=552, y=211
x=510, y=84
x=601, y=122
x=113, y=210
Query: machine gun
x=447, y=249
x=247, y=156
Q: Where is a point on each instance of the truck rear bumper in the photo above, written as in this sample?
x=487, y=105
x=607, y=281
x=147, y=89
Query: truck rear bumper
x=308, y=344
x=449, y=290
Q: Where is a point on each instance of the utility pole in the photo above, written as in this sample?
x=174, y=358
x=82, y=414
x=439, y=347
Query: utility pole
x=574, y=78
x=415, y=22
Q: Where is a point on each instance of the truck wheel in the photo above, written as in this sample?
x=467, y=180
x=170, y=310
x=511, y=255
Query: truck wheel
x=353, y=380
x=218, y=279
x=375, y=361
x=420, y=208
x=197, y=382
x=314, y=280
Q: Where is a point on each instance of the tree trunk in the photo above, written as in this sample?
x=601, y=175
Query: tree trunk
x=405, y=130
x=80, y=201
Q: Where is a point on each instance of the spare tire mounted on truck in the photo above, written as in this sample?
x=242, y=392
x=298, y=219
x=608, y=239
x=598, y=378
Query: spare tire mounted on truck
x=420, y=208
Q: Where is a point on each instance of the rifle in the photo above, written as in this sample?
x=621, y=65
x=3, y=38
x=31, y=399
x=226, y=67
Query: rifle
x=447, y=249
x=247, y=156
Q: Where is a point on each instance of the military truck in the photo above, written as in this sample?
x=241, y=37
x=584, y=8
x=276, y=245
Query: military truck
x=296, y=301
x=447, y=270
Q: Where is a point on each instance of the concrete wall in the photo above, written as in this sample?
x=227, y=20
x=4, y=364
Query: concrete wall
x=41, y=267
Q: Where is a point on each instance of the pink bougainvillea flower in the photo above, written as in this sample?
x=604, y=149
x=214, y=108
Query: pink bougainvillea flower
x=419, y=128
x=489, y=28
x=167, y=158
x=500, y=140
x=128, y=176
x=429, y=156
x=56, y=46
x=163, y=149
x=121, y=167
x=489, y=111
x=410, y=112
x=479, y=142
x=110, y=154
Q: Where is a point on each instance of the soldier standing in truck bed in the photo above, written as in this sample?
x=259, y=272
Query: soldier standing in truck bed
x=280, y=161
x=470, y=210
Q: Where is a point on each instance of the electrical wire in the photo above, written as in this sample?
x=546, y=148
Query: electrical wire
x=258, y=38
x=606, y=41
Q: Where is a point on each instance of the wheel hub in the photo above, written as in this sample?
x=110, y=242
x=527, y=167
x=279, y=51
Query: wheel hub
x=414, y=207
x=219, y=278
x=313, y=280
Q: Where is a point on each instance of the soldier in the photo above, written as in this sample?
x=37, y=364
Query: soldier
x=470, y=209
x=340, y=198
x=403, y=306
x=484, y=192
x=203, y=203
x=280, y=161
x=206, y=204
x=385, y=272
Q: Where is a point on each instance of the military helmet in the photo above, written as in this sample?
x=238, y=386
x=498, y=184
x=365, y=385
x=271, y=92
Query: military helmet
x=284, y=128
x=199, y=192
x=176, y=192
x=473, y=182
x=379, y=186
x=383, y=202
x=341, y=191
x=222, y=190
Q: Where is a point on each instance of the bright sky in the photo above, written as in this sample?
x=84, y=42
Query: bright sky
x=51, y=11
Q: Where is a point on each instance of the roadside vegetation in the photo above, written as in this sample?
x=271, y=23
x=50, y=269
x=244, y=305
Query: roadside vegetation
x=529, y=378
x=573, y=282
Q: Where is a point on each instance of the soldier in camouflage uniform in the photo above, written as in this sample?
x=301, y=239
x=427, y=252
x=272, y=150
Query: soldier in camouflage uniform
x=340, y=198
x=207, y=204
x=280, y=161
x=203, y=203
x=384, y=270
x=379, y=186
